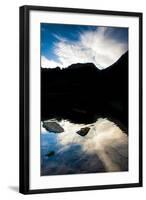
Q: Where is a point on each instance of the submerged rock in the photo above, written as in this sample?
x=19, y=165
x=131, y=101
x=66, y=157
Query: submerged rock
x=50, y=153
x=83, y=131
x=53, y=127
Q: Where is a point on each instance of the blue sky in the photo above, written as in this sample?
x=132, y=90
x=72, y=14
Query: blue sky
x=63, y=45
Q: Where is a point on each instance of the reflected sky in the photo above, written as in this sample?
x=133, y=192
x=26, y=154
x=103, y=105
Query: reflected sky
x=103, y=149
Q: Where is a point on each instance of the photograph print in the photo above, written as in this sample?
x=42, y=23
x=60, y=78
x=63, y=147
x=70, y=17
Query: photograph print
x=84, y=99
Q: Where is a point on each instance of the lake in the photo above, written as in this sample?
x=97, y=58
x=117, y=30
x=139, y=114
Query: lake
x=103, y=149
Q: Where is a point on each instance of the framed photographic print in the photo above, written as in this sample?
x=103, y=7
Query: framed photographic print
x=80, y=99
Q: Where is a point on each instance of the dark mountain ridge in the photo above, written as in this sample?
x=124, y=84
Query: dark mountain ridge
x=82, y=92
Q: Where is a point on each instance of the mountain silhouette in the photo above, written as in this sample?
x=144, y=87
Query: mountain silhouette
x=82, y=93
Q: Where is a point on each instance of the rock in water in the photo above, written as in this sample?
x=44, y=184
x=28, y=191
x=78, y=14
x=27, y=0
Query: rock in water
x=50, y=153
x=83, y=131
x=53, y=127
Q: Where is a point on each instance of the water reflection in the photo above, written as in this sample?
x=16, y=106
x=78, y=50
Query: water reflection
x=103, y=149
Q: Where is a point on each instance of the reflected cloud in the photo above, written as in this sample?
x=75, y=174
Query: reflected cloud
x=104, y=148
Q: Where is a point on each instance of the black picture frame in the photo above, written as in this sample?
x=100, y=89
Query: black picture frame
x=25, y=105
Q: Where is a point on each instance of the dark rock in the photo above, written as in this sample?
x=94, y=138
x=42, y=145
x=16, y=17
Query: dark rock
x=53, y=127
x=83, y=131
x=50, y=153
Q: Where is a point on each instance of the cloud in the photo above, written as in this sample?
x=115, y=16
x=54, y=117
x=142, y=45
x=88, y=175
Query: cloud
x=46, y=63
x=98, y=46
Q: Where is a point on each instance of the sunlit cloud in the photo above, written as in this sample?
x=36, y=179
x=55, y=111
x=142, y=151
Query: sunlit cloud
x=46, y=63
x=95, y=46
